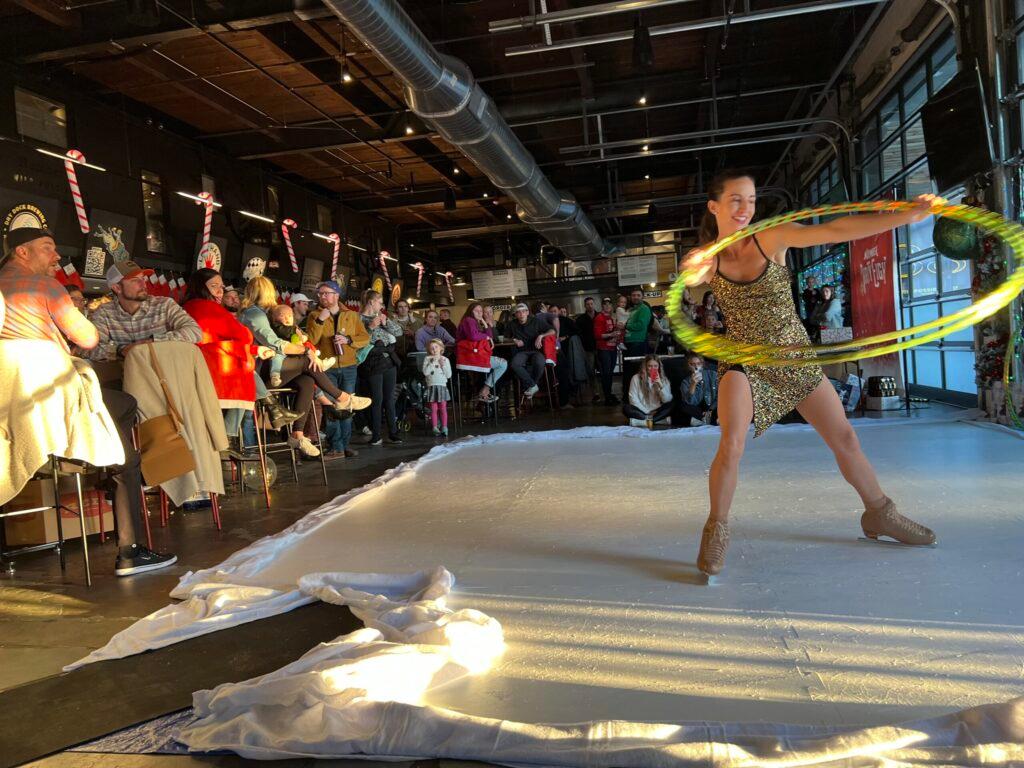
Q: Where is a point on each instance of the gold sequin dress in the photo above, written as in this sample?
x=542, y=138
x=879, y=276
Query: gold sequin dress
x=762, y=312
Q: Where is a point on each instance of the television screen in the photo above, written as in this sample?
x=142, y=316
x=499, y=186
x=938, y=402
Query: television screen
x=956, y=136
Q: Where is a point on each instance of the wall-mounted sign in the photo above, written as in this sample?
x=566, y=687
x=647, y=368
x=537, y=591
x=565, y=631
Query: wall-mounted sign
x=498, y=283
x=212, y=255
x=312, y=274
x=652, y=294
x=108, y=241
x=637, y=270
x=24, y=215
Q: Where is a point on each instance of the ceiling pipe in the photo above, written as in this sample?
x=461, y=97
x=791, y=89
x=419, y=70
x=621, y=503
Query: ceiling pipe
x=577, y=14
x=442, y=92
x=691, y=26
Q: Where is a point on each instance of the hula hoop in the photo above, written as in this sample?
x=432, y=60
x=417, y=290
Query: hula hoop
x=728, y=350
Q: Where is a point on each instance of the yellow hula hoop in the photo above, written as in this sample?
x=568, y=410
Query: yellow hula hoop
x=728, y=350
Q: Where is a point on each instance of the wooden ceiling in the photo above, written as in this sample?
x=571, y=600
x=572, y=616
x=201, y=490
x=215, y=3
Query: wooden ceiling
x=262, y=81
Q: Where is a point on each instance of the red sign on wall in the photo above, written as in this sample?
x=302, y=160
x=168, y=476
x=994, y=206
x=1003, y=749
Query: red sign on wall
x=871, y=285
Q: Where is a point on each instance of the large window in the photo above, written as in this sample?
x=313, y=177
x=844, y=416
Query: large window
x=41, y=119
x=153, y=210
x=892, y=162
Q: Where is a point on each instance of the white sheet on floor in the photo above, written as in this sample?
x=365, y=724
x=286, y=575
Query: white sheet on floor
x=391, y=690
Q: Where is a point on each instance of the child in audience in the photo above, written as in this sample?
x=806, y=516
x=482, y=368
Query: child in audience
x=282, y=320
x=437, y=370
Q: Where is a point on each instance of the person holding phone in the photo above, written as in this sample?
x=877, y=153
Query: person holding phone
x=697, y=395
x=650, y=395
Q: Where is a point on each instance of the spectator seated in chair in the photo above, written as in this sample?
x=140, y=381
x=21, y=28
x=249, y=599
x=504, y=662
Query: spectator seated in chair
x=134, y=317
x=529, y=334
x=301, y=370
x=282, y=320
x=38, y=308
x=474, y=347
x=432, y=329
x=445, y=321
x=230, y=354
x=697, y=394
x=650, y=395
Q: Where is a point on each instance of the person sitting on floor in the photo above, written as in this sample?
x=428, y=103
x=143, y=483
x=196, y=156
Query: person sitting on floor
x=650, y=394
x=437, y=371
x=432, y=329
x=697, y=394
x=282, y=320
x=135, y=317
x=528, y=332
x=38, y=307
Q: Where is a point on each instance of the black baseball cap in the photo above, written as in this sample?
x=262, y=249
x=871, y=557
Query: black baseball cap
x=22, y=235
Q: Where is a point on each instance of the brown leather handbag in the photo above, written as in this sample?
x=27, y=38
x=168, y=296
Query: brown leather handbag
x=165, y=454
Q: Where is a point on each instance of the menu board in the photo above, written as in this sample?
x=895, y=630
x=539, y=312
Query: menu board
x=499, y=283
x=637, y=270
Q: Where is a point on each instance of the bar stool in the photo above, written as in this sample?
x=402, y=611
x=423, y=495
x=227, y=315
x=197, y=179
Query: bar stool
x=549, y=384
x=52, y=471
x=281, y=446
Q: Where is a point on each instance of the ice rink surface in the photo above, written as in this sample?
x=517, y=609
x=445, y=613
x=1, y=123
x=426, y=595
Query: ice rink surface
x=583, y=543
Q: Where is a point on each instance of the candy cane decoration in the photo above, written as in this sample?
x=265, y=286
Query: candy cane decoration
x=207, y=203
x=382, y=258
x=76, y=192
x=448, y=281
x=420, y=269
x=336, y=239
x=287, y=225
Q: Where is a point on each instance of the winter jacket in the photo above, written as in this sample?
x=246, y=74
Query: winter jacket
x=228, y=349
x=347, y=323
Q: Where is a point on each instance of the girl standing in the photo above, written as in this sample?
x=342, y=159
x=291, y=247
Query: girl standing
x=436, y=373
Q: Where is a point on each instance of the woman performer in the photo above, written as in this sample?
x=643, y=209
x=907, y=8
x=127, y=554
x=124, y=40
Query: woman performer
x=752, y=285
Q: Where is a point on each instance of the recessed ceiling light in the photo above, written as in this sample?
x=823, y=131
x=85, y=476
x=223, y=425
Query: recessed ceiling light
x=642, y=101
x=508, y=216
x=645, y=147
x=456, y=169
x=647, y=175
x=486, y=195
x=409, y=131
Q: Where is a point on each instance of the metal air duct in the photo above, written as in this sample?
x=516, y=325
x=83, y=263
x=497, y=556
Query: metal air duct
x=441, y=91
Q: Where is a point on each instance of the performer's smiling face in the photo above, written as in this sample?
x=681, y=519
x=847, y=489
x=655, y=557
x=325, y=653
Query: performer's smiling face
x=734, y=208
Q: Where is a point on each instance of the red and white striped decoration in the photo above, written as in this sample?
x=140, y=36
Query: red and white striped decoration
x=382, y=257
x=207, y=203
x=286, y=226
x=76, y=192
x=420, y=269
x=336, y=239
x=448, y=282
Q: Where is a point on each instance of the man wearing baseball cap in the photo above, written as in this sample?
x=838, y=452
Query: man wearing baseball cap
x=135, y=317
x=38, y=308
x=528, y=332
x=300, y=307
x=231, y=300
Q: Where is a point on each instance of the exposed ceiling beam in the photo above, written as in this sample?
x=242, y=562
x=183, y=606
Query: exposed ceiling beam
x=50, y=11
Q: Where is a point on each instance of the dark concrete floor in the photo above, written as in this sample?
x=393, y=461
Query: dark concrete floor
x=48, y=619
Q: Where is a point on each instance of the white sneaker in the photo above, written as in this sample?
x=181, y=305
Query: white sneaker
x=275, y=380
x=367, y=431
x=531, y=391
x=304, y=446
x=696, y=422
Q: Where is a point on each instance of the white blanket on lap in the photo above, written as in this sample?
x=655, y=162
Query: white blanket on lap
x=50, y=404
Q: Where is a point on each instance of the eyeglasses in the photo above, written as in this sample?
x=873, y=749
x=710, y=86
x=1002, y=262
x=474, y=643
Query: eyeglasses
x=326, y=293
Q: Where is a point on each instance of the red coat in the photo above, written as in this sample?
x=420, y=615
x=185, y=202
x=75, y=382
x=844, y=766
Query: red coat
x=228, y=349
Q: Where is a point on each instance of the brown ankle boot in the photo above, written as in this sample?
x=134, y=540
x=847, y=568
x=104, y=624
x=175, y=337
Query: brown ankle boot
x=714, y=541
x=886, y=521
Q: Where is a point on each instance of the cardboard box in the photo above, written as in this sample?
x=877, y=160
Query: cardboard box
x=41, y=527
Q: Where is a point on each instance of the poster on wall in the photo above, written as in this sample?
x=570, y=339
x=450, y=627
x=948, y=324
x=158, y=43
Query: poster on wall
x=637, y=270
x=871, y=285
x=21, y=209
x=312, y=274
x=110, y=239
x=213, y=255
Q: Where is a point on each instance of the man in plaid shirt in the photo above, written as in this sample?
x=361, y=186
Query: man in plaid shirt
x=40, y=309
x=134, y=316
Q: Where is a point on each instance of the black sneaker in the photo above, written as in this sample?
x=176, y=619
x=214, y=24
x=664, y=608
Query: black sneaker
x=142, y=560
x=378, y=441
x=394, y=439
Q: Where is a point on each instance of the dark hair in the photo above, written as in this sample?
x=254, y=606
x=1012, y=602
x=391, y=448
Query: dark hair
x=708, y=225
x=196, y=288
x=469, y=310
x=72, y=288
